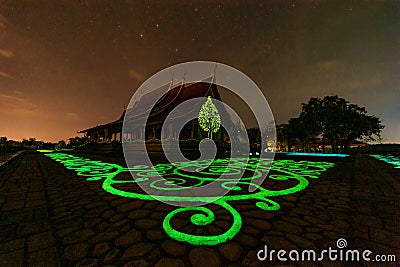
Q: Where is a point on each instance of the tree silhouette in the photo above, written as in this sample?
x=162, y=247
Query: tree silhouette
x=209, y=119
x=340, y=122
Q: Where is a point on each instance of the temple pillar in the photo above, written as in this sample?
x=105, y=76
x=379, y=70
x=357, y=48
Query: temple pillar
x=192, y=130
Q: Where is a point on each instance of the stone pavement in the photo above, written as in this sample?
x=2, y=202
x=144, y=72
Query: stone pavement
x=52, y=217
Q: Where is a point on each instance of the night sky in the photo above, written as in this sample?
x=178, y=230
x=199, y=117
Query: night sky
x=68, y=66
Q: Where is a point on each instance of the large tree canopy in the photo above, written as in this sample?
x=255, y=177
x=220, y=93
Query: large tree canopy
x=339, y=121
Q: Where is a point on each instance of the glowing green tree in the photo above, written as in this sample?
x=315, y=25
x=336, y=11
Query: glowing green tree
x=209, y=119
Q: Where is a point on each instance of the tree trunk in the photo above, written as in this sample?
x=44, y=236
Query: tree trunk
x=346, y=145
x=333, y=143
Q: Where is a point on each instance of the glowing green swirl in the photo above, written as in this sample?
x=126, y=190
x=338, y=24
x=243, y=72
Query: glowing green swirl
x=281, y=170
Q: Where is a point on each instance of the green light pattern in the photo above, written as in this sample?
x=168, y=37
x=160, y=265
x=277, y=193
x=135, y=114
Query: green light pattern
x=395, y=161
x=209, y=119
x=281, y=170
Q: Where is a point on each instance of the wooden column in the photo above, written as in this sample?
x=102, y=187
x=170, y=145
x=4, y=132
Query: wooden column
x=192, y=130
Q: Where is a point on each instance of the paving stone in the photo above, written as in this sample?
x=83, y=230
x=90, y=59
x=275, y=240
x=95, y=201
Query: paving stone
x=108, y=214
x=14, y=217
x=29, y=228
x=138, y=250
x=152, y=204
x=12, y=245
x=213, y=230
x=168, y=262
x=315, y=221
x=385, y=237
x=146, y=223
x=119, y=201
x=71, y=220
x=164, y=207
x=251, y=260
x=158, y=215
x=14, y=258
x=316, y=216
x=117, y=217
x=132, y=205
x=137, y=214
x=123, y=222
x=94, y=205
x=138, y=263
x=301, y=242
x=101, y=237
x=71, y=224
x=66, y=231
x=78, y=236
x=89, y=262
x=203, y=256
x=173, y=248
x=231, y=251
x=156, y=254
x=313, y=236
x=61, y=215
x=287, y=227
x=76, y=252
x=102, y=226
x=60, y=210
x=260, y=224
x=296, y=221
x=368, y=220
x=313, y=229
x=221, y=224
x=40, y=241
x=259, y=214
x=130, y=238
x=333, y=235
x=154, y=235
x=125, y=229
x=341, y=224
x=101, y=249
x=250, y=230
x=278, y=243
x=247, y=240
x=40, y=213
x=92, y=222
x=95, y=213
x=179, y=223
x=112, y=255
x=45, y=257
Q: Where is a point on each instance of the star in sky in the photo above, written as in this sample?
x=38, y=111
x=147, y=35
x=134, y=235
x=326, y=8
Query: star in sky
x=89, y=57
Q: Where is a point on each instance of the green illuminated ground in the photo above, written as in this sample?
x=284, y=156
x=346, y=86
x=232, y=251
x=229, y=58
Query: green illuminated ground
x=281, y=171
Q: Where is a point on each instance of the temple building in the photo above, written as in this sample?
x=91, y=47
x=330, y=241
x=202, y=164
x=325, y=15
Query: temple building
x=171, y=96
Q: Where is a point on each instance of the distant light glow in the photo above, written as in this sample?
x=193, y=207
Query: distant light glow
x=281, y=171
x=395, y=161
x=313, y=154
